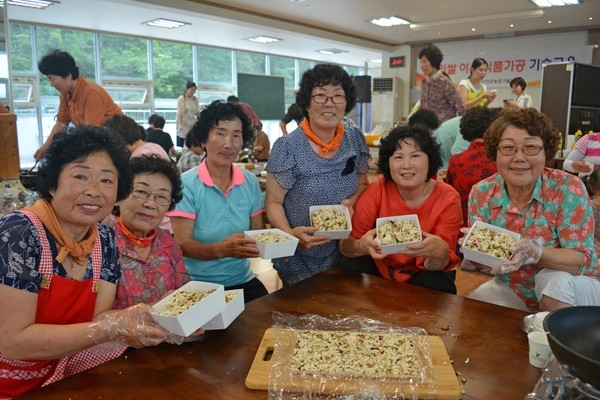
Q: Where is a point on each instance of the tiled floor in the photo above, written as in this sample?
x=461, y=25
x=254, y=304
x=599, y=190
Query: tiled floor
x=466, y=282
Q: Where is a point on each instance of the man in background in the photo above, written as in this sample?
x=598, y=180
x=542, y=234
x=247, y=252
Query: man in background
x=81, y=101
x=294, y=113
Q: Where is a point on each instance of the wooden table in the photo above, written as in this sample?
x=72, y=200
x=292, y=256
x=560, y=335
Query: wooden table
x=485, y=341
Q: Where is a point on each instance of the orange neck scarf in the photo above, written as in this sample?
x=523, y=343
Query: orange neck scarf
x=325, y=147
x=78, y=250
x=134, y=240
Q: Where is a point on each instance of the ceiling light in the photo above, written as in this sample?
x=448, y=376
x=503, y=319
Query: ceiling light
x=331, y=51
x=389, y=21
x=554, y=3
x=479, y=18
x=39, y=4
x=165, y=23
x=263, y=39
x=376, y=60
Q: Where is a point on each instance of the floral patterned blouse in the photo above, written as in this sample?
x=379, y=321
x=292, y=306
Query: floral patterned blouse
x=147, y=281
x=559, y=212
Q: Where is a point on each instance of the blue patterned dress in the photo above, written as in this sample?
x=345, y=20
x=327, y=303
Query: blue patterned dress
x=312, y=180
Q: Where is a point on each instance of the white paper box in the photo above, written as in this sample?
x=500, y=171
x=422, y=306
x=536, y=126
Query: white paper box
x=231, y=312
x=334, y=235
x=273, y=250
x=196, y=316
x=482, y=258
x=396, y=248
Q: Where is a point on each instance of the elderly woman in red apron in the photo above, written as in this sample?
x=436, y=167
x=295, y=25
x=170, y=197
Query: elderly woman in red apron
x=59, y=268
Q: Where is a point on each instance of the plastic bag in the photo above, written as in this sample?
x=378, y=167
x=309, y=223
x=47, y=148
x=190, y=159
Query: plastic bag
x=349, y=382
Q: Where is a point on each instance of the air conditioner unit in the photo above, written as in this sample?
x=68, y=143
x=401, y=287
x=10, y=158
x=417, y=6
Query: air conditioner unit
x=386, y=101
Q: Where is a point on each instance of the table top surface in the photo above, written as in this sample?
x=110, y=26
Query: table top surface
x=485, y=342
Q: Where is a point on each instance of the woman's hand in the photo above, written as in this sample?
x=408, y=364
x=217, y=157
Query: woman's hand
x=581, y=166
x=236, y=246
x=524, y=252
x=433, y=248
x=307, y=239
x=370, y=246
x=133, y=326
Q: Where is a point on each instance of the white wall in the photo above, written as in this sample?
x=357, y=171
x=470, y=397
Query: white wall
x=490, y=49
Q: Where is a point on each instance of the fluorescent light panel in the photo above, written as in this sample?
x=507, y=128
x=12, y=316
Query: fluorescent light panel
x=263, y=39
x=39, y=4
x=331, y=51
x=554, y=3
x=389, y=21
x=165, y=23
x=475, y=19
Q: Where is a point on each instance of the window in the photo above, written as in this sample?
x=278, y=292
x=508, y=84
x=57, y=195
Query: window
x=123, y=57
x=250, y=63
x=21, y=49
x=286, y=67
x=214, y=66
x=172, y=65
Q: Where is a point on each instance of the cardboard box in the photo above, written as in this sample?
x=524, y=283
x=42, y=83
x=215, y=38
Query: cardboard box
x=483, y=258
x=273, y=250
x=196, y=316
x=396, y=248
x=334, y=235
x=231, y=312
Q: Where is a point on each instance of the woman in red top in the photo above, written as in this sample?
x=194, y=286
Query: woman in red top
x=472, y=165
x=59, y=268
x=408, y=158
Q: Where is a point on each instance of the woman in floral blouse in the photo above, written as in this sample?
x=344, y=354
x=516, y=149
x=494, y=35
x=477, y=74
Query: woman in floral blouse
x=554, y=264
x=151, y=261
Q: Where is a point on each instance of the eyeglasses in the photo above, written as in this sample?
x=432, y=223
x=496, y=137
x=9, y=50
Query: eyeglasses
x=160, y=199
x=528, y=150
x=335, y=99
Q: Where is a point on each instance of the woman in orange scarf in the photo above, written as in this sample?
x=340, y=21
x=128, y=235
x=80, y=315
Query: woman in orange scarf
x=323, y=162
x=59, y=268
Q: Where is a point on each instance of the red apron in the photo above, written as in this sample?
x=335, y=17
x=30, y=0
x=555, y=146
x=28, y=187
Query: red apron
x=65, y=302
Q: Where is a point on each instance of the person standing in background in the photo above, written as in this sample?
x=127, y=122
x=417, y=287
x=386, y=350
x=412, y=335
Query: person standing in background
x=521, y=99
x=294, y=113
x=247, y=109
x=81, y=101
x=188, y=107
x=437, y=91
x=472, y=91
x=586, y=151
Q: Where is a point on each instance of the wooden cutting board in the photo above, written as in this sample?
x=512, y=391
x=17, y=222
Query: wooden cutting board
x=447, y=385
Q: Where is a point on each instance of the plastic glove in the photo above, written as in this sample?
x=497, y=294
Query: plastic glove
x=133, y=326
x=464, y=231
x=525, y=251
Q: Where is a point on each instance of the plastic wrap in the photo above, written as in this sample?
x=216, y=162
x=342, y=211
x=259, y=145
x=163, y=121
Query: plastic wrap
x=345, y=381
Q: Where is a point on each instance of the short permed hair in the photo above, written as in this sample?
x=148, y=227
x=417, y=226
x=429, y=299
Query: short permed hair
x=423, y=140
x=59, y=63
x=77, y=143
x=529, y=119
x=217, y=111
x=433, y=54
x=321, y=75
x=475, y=122
x=154, y=164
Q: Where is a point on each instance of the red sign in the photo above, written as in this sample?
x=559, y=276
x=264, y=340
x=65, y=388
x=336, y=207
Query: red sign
x=397, y=62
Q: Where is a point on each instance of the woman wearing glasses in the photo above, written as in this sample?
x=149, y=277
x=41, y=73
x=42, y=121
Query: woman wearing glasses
x=554, y=264
x=322, y=162
x=151, y=261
